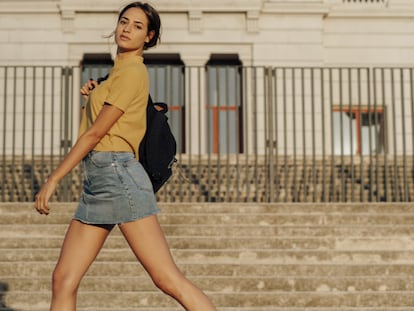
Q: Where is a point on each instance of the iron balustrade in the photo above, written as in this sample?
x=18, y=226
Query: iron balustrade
x=245, y=134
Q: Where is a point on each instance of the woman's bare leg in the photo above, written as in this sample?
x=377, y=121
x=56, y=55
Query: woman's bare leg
x=149, y=245
x=81, y=246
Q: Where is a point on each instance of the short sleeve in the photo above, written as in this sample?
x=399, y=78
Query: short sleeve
x=124, y=88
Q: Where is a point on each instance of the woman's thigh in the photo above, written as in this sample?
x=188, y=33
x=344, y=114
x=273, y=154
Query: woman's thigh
x=147, y=241
x=81, y=246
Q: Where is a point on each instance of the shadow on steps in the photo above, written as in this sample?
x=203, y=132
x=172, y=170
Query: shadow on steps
x=4, y=287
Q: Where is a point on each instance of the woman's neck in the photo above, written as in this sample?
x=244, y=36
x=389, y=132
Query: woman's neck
x=126, y=54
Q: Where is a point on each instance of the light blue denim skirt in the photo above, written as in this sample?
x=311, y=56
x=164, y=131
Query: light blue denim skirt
x=116, y=189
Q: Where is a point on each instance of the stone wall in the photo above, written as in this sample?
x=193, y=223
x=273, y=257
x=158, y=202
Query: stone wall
x=272, y=32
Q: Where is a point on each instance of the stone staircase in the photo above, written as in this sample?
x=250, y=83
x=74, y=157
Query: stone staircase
x=246, y=257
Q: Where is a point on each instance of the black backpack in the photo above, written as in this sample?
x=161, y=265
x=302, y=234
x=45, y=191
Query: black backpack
x=158, y=147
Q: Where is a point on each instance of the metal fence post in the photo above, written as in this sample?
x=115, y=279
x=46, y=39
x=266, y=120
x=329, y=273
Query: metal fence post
x=66, y=141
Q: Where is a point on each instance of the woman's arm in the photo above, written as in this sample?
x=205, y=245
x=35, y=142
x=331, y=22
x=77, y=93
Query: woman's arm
x=86, y=142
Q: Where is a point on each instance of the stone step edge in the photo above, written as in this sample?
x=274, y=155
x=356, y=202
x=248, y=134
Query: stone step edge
x=218, y=277
x=409, y=293
x=20, y=236
x=241, y=262
x=235, y=225
x=201, y=227
x=310, y=212
x=331, y=207
x=288, y=251
x=373, y=278
x=234, y=309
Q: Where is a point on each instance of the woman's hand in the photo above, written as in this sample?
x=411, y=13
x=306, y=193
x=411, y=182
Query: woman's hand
x=42, y=198
x=88, y=87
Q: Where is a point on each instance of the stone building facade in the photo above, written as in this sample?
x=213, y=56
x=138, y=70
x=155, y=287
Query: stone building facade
x=224, y=109
x=261, y=32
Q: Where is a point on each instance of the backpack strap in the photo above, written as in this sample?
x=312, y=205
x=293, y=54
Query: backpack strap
x=158, y=106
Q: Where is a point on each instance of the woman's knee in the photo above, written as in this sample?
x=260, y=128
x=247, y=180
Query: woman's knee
x=64, y=282
x=170, y=284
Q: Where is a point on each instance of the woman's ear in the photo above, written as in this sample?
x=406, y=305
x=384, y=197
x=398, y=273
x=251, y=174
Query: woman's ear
x=150, y=35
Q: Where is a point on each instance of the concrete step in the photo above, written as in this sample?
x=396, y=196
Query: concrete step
x=33, y=308
x=234, y=243
x=127, y=269
x=245, y=208
x=265, y=219
x=241, y=299
x=240, y=230
x=247, y=257
x=258, y=256
x=315, y=230
x=228, y=284
x=271, y=300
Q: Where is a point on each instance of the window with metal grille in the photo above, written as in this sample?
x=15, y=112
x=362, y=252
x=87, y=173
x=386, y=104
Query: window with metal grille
x=167, y=76
x=358, y=131
x=224, y=104
x=95, y=66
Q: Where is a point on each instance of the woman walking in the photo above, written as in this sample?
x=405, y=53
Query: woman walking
x=117, y=190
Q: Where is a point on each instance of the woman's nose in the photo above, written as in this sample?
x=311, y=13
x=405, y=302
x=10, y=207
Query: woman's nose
x=127, y=28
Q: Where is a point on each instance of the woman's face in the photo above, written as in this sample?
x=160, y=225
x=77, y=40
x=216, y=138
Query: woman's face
x=132, y=31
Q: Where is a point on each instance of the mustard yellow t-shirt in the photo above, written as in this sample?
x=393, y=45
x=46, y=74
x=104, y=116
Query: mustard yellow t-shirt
x=126, y=88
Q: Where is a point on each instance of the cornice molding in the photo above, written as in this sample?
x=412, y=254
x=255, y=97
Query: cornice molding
x=166, y=5
x=386, y=9
x=252, y=8
x=295, y=8
x=208, y=5
x=372, y=12
x=29, y=7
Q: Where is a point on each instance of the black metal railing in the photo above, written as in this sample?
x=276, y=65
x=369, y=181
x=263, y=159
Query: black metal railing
x=245, y=134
